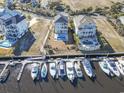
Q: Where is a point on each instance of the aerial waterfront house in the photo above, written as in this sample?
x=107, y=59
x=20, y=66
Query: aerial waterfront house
x=61, y=27
x=85, y=29
x=12, y=26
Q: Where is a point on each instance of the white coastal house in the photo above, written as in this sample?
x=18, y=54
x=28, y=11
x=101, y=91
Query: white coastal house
x=85, y=29
x=61, y=27
x=12, y=26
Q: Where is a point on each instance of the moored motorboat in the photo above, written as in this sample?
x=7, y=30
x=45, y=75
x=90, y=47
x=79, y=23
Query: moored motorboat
x=34, y=71
x=70, y=71
x=120, y=67
x=61, y=69
x=52, y=69
x=78, y=70
x=112, y=67
x=88, y=68
x=44, y=71
x=104, y=66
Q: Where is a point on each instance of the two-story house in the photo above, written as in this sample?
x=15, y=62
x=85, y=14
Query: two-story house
x=12, y=25
x=61, y=27
x=85, y=29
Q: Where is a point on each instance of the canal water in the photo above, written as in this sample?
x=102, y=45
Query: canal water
x=102, y=84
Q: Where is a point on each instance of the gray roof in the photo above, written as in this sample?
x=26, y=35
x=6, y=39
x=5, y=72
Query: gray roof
x=61, y=18
x=6, y=13
x=81, y=19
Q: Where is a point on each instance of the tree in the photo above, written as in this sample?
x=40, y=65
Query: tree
x=98, y=10
x=89, y=9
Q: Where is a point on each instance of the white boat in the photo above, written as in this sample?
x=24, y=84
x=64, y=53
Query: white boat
x=104, y=66
x=44, y=70
x=88, y=68
x=120, y=67
x=112, y=67
x=61, y=69
x=70, y=71
x=53, y=70
x=78, y=70
x=34, y=71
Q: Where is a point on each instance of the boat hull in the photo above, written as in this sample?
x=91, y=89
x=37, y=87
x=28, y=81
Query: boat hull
x=44, y=71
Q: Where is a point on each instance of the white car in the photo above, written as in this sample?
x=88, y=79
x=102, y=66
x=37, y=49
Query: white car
x=70, y=71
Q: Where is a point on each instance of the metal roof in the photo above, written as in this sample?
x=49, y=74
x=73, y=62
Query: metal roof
x=61, y=18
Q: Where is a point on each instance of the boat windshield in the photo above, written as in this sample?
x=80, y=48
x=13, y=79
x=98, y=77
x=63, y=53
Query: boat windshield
x=61, y=66
x=44, y=69
x=112, y=64
x=115, y=69
x=53, y=68
x=62, y=71
x=34, y=72
x=87, y=65
x=78, y=69
x=70, y=68
x=105, y=66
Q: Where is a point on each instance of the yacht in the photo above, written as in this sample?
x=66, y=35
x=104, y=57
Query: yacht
x=78, y=70
x=61, y=69
x=44, y=71
x=104, y=66
x=34, y=71
x=70, y=71
x=88, y=68
x=112, y=66
x=120, y=67
x=53, y=70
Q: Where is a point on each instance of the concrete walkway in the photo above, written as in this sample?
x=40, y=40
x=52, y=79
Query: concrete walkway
x=44, y=42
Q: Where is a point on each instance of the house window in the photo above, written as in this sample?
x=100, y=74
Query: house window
x=8, y=22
